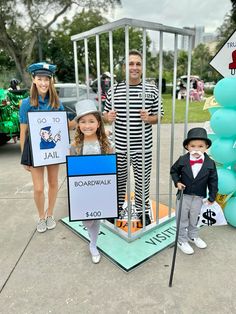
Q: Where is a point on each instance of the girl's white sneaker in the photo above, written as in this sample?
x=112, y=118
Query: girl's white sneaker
x=96, y=258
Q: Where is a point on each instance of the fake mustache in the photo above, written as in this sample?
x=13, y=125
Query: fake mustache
x=196, y=152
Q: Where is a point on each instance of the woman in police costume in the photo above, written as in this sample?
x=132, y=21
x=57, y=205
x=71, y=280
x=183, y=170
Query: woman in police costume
x=43, y=96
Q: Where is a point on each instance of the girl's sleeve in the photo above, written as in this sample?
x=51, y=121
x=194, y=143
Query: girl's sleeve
x=72, y=150
x=61, y=106
x=112, y=147
x=24, y=108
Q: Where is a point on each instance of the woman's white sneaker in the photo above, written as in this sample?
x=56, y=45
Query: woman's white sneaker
x=199, y=243
x=185, y=248
x=41, y=226
x=50, y=222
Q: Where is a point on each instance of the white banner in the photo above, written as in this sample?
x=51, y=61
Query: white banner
x=49, y=137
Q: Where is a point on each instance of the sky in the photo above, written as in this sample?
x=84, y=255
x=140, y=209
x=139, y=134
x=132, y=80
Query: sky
x=177, y=13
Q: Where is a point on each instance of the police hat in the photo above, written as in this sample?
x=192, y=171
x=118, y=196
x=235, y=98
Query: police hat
x=197, y=134
x=84, y=107
x=42, y=68
x=46, y=128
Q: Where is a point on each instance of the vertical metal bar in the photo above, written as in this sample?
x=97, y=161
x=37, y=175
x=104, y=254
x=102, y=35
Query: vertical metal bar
x=111, y=67
x=159, y=126
x=128, y=125
x=190, y=38
x=86, y=65
x=112, y=84
x=143, y=126
x=173, y=119
x=76, y=69
x=98, y=72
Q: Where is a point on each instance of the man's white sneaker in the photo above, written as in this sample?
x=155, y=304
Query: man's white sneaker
x=199, y=243
x=185, y=248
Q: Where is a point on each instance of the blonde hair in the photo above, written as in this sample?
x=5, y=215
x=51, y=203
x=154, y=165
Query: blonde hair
x=53, y=96
x=101, y=136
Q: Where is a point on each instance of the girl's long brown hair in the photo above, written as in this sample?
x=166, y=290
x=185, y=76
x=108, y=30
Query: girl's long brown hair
x=101, y=135
x=53, y=96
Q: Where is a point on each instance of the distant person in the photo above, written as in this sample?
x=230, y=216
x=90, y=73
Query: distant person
x=43, y=97
x=105, y=83
x=90, y=139
x=200, y=89
x=137, y=116
x=194, y=173
x=14, y=84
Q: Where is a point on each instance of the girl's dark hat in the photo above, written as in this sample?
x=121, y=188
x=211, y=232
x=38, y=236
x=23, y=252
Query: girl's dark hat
x=197, y=134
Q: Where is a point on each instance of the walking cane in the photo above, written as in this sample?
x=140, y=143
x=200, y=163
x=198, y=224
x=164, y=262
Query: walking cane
x=176, y=238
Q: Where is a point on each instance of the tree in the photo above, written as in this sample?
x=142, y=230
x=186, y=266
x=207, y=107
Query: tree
x=200, y=61
x=228, y=26
x=60, y=48
x=22, y=22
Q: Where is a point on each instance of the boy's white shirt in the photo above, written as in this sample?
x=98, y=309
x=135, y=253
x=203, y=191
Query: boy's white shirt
x=196, y=167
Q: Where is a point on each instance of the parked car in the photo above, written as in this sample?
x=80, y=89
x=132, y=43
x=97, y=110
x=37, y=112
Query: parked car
x=68, y=95
x=209, y=85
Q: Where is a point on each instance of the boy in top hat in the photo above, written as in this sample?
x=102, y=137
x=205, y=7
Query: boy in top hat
x=193, y=173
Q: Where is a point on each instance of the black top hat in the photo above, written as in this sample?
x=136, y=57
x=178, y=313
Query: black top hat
x=197, y=134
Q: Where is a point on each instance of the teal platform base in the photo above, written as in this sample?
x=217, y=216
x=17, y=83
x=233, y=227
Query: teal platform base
x=128, y=255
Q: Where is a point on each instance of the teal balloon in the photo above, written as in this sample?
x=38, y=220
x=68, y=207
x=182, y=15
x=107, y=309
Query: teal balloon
x=223, y=122
x=213, y=110
x=226, y=181
x=212, y=136
x=225, y=92
x=223, y=151
x=230, y=211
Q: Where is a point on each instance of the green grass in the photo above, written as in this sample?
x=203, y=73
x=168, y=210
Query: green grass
x=195, y=114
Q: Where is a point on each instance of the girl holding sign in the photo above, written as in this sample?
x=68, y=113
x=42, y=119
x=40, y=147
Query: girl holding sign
x=43, y=97
x=90, y=139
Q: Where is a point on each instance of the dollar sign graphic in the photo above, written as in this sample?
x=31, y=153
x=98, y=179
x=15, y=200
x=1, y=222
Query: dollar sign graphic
x=209, y=217
x=87, y=214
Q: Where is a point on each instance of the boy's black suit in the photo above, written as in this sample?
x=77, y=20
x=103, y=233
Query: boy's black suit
x=207, y=177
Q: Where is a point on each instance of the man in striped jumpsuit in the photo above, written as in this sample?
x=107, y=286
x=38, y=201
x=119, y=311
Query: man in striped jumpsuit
x=136, y=117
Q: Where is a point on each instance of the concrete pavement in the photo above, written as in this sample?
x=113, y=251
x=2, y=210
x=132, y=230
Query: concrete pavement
x=52, y=272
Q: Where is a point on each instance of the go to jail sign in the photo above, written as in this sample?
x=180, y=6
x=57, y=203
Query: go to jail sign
x=49, y=137
x=92, y=187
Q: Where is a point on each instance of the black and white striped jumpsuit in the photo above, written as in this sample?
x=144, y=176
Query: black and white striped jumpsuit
x=135, y=131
